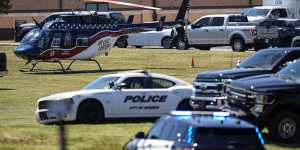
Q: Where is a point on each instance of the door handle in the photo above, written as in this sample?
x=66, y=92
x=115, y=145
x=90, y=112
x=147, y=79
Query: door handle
x=206, y=30
x=222, y=30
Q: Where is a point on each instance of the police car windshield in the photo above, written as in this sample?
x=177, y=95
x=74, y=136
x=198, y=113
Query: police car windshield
x=291, y=72
x=262, y=59
x=31, y=37
x=256, y=12
x=102, y=83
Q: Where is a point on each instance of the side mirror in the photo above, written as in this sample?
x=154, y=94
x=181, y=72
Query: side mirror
x=140, y=135
x=121, y=86
x=193, y=26
x=238, y=62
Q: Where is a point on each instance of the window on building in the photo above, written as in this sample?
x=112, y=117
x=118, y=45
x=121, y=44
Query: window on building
x=96, y=7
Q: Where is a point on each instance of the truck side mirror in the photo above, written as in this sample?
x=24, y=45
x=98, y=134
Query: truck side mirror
x=193, y=26
x=238, y=63
x=140, y=135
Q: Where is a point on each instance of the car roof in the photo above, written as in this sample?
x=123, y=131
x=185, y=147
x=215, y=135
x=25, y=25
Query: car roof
x=268, y=7
x=142, y=73
x=222, y=15
x=211, y=121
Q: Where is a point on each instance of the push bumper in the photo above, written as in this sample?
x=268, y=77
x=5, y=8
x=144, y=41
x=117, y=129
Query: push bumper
x=44, y=116
x=200, y=103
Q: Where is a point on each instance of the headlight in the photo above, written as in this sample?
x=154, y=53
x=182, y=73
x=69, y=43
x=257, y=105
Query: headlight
x=265, y=99
x=68, y=101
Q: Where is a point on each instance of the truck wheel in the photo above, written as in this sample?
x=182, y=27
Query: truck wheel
x=296, y=44
x=181, y=44
x=184, y=105
x=121, y=43
x=167, y=42
x=238, y=44
x=90, y=111
x=285, y=127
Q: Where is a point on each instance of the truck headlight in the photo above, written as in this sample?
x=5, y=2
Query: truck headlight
x=68, y=101
x=265, y=99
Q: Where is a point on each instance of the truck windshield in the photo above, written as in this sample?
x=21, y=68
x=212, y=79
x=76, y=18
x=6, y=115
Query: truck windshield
x=262, y=59
x=31, y=37
x=102, y=83
x=256, y=12
x=290, y=72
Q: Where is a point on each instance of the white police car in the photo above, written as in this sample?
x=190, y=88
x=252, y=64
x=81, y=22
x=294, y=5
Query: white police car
x=137, y=94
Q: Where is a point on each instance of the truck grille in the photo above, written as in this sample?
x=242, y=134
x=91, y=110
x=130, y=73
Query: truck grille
x=204, y=94
x=240, y=98
x=43, y=115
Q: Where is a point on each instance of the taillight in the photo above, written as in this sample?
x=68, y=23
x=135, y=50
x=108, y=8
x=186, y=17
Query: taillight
x=253, y=32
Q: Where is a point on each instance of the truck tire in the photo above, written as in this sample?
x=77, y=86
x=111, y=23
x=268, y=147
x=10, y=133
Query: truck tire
x=296, y=44
x=238, y=44
x=90, y=111
x=285, y=127
x=167, y=42
x=184, y=105
x=121, y=43
x=181, y=44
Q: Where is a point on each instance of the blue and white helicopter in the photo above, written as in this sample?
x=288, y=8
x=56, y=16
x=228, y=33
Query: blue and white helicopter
x=84, y=36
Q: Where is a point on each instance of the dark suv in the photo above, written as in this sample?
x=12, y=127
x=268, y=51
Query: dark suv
x=199, y=131
x=271, y=101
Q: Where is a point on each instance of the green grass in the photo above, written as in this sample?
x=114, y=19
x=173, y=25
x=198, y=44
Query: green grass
x=20, y=90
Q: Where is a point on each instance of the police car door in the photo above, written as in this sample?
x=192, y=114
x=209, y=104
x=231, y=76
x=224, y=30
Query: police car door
x=129, y=101
x=162, y=99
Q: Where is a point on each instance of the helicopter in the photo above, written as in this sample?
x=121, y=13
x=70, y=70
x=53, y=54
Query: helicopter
x=82, y=37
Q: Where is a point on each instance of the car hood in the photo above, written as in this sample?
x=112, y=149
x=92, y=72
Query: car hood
x=266, y=84
x=66, y=95
x=235, y=73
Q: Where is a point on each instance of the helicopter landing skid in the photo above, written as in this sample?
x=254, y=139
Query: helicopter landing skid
x=94, y=60
x=35, y=64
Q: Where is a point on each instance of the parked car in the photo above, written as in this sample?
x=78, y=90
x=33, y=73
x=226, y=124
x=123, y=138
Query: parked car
x=152, y=38
x=197, y=131
x=135, y=94
x=270, y=101
x=3, y=65
x=218, y=30
x=210, y=85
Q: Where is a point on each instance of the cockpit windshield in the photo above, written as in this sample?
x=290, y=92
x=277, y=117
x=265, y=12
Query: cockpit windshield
x=262, y=59
x=31, y=37
x=290, y=72
x=102, y=83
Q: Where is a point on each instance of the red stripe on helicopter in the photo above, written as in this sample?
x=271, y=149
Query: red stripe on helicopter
x=59, y=53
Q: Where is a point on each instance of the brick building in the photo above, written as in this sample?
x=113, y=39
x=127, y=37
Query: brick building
x=26, y=9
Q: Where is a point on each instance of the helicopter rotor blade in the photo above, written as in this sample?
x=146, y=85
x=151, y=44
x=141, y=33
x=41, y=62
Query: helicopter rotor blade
x=124, y=3
x=37, y=23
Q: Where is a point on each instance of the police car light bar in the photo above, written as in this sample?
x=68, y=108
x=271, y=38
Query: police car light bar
x=204, y=113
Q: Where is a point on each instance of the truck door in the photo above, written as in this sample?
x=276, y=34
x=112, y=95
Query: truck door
x=197, y=32
x=216, y=31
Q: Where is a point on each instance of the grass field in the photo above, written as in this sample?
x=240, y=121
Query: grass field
x=20, y=90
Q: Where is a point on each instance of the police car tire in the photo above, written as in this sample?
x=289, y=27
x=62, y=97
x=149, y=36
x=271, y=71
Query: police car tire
x=276, y=124
x=90, y=111
x=184, y=105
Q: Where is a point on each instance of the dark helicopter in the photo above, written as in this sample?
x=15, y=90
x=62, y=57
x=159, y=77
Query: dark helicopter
x=84, y=36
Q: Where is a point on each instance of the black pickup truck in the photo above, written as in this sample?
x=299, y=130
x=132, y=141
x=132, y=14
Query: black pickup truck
x=3, y=63
x=276, y=33
x=209, y=85
x=271, y=101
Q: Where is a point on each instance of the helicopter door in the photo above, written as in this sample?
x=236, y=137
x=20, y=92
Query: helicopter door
x=56, y=42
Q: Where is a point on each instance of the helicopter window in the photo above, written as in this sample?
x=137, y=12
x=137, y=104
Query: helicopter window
x=56, y=42
x=117, y=18
x=82, y=41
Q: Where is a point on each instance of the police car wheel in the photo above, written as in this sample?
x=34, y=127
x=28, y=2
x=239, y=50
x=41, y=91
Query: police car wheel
x=90, y=111
x=285, y=127
x=184, y=105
